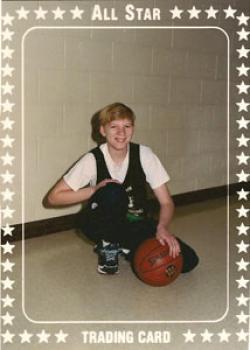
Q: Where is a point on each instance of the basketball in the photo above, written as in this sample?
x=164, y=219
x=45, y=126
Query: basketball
x=153, y=264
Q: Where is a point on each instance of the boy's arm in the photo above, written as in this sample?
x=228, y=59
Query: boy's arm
x=166, y=214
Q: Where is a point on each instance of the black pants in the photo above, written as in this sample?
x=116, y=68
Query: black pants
x=105, y=218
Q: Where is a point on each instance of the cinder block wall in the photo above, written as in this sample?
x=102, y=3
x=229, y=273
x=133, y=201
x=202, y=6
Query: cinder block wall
x=174, y=79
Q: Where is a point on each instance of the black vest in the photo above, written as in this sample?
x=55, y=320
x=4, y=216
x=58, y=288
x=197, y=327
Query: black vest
x=134, y=182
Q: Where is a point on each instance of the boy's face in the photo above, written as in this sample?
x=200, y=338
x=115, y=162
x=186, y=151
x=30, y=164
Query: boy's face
x=118, y=133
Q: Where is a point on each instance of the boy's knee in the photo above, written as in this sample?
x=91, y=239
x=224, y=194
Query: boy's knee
x=190, y=258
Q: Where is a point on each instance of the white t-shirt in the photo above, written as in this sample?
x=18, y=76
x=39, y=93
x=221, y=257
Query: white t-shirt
x=84, y=171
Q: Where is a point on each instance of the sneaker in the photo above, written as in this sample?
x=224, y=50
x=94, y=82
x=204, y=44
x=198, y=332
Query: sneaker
x=107, y=257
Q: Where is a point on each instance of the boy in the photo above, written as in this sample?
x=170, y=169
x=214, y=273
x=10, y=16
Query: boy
x=116, y=174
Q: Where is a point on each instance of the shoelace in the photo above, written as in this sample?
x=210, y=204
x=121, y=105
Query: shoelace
x=110, y=254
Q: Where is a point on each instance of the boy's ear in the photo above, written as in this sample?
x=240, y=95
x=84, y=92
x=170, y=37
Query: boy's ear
x=102, y=131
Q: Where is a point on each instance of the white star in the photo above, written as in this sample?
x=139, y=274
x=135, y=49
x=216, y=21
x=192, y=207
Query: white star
x=7, y=177
x=7, y=283
x=7, y=123
x=206, y=336
x=7, y=106
x=243, y=140
x=7, y=319
x=176, y=12
x=7, y=195
x=194, y=13
x=242, y=318
x=40, y=13
x=243, y=70
x=7, y=230
x=242, y=336
x=25, y=337
x=7, y=20
x=7, y=141
x=242, y=212
x=243, y=123
x=242, y=177
x=224, y=336
x=58, y=13
x=7, y=34
x=7, y=159
x=7, y=88
x=242, y=194
x=7, y=248
x=243, y=159
x=242, y=19
x=243, y=88
x=7, y=265
x=242, y=282
x=7, y=212
x=242, y=264
x=7, y=52
x=189, y=336
x=229, y=12
x=7, y=70
x=243, y=52
x=61, y=337
x=22, y=13
x=7, y=301
x=243, y=34
x=43, y=337
x=242, y=300
x=7, y=337
x=211, y=12
x=242, y=229
x=76, y=13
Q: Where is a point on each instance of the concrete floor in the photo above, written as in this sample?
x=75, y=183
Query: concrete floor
x=62, y=289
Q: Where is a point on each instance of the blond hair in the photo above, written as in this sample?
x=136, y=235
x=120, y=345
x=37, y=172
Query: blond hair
x=115, y=111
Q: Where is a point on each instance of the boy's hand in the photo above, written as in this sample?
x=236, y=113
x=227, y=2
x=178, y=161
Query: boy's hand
x=164, y=236
x=103, y=183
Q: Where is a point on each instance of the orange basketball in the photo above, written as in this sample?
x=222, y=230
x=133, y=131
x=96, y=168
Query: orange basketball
x=153, y=264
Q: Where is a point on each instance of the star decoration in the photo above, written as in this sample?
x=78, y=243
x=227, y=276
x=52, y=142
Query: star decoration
x=194, y=13
x=243, y=88
x=7, y=123
x=7, y=70
x=229, y=12
x=7, y=52
x=7, y=283
x=7, y=337
x=242, y=229
x=243, y=70
x=7, y=20
x=242, y=158
x=43, y=337
x=243, y=123
x=243, y=52
x=243, y=140
x=7, y=106
x=206, y=336
x=176, y=12
x=25, y=337
x=243, y=19
x=211, y=12
x=7, y=177
x=242, y=177
x=58, y=13
x=7, y=212
x=22, y=13
x=242, y=194
x=76, y=13
x=243, y=34
x=61, y=337
x=7, y=301
x=224, y=336
x=242, y=282
x=7, y=319
x=40, y=13
x=189, y=336
x=7, y=141
x=242, y=318
x=7, y=35
x=7, y=88
x=7, y=265
x=7, y=229
x=7, y=248
x=7, y=159
x=242, y=264
x=7, y=195
x=242, y=212
x=242, y=300
x=242, y=335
